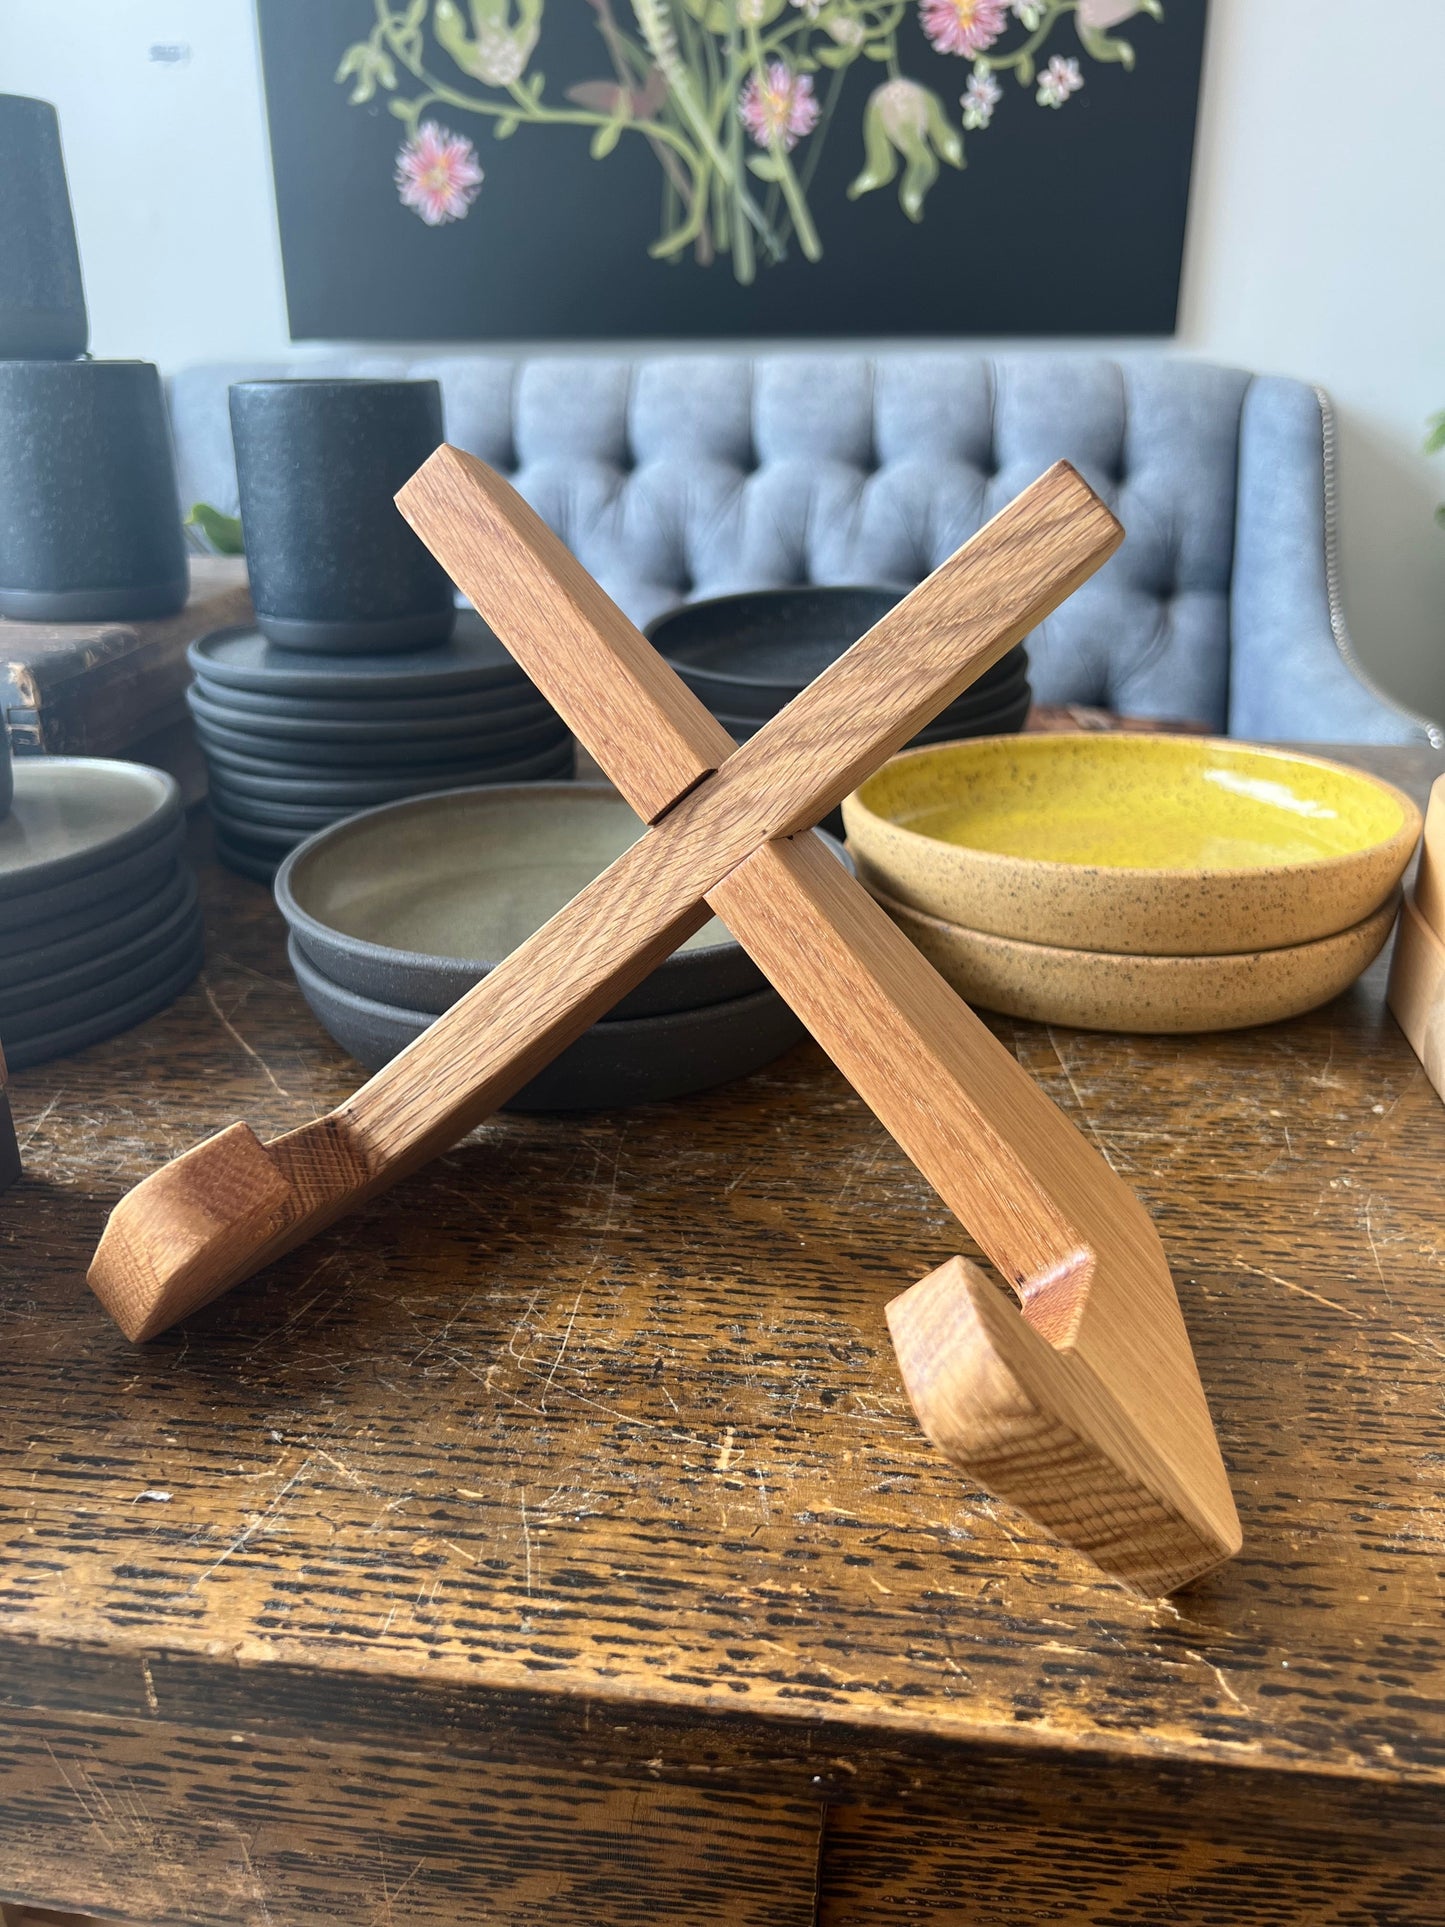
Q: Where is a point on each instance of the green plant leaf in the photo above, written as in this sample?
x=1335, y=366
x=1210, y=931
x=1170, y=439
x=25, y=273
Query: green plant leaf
x=403, y=109
x=767, y=167
x=505, y=127
x=1435, y=439
x=875, y=52
x=223, y=532
x=606, y=138
x=837, y=56
x=1103, y=46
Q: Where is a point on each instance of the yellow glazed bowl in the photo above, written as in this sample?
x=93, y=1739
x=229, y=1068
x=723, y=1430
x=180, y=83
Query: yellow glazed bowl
x=1144, y=845
x=1100, y=990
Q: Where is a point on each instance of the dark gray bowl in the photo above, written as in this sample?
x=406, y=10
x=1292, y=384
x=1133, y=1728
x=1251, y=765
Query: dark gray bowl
x=24, y=987
x=96, y=928
x=471, y=663
x=74, y=817
x=412, y=904
x=41, y=1048
x=57, y=1014
x=748, y=655
x=643, y=1060
x=334, y=565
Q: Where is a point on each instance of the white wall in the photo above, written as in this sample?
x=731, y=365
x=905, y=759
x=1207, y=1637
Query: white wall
x=1314, y=249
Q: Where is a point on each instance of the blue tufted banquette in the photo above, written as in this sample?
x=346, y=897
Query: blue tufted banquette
x=690, y=475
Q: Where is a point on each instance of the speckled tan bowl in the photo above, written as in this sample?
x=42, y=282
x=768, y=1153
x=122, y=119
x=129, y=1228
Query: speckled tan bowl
x=1100, y=990
x=1174, y=846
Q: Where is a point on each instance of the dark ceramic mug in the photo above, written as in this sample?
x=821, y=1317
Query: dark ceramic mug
x=42, y=302
x=334, y=566
x=90, y=520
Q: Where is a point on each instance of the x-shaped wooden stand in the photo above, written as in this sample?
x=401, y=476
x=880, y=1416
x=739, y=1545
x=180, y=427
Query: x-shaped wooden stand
x=1085, y=1409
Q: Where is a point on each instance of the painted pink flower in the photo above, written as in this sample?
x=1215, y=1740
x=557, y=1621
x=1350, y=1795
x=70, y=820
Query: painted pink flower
x=1058, y=80
x=962, y=26
x=437, y=174
x=979, y=100
x=778, y=108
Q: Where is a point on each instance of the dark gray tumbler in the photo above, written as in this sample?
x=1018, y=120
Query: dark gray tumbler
x=42, y=302
x=90, y=520
x=334, y=567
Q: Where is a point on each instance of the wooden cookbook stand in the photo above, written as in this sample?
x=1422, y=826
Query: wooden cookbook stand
x=1067, y=1385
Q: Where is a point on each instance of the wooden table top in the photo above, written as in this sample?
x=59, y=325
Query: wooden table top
x=589, y=1441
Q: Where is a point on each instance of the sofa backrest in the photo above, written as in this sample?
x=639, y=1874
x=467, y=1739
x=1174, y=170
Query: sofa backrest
x=692, y=475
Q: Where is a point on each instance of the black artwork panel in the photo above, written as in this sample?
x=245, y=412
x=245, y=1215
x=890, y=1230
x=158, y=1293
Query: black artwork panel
x=1065, y=219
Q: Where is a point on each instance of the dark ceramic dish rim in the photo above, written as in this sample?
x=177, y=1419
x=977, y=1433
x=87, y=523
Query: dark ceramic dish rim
x=109, y=1023
x=150, y=941
x=101, y=855
x=623, y=1028
x=322, y=679
x=303, y=923
x=734, y=596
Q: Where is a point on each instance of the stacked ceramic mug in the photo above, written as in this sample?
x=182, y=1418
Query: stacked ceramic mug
x=361, y=683
x=99, y=920
x=90, y=521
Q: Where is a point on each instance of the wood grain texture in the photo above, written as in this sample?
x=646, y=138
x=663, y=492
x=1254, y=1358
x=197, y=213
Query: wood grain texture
x=1417, y=990
x=222, y=1827
x=564, y=629
x=9, y=1148
x=1430, y=878
x=95, y=688
x=1141, y=1485
x=619, y=697
x=231, y=1204
x=1001, y=1868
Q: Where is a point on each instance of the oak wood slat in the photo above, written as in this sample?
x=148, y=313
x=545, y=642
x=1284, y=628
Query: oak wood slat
x=231, y=1204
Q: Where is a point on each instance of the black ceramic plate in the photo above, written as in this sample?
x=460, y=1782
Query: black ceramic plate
x=87, y=897
x=93, y=927
x=24, y=987
x=351, y=794
x=245, y=861
x=748, y=655
x=61, y=1013
x=360, y=759
x=365, y=769
x=488, y=709
x=493, y=737
x=106, y=1023
x=381, y=729
x=255, y=837
x=413, y=904
x=1007, y=720
x=751, y=709
x=317, y=812
x=473, y=660
x=642, y=1060
x=76, y=816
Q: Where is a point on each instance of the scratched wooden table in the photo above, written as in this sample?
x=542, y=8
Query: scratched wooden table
x=553, y=1543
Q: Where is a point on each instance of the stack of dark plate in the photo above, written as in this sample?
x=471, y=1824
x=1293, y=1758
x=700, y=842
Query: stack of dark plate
x=295, y=741
x=395, y=914
x=749, y=655
x=99, y=922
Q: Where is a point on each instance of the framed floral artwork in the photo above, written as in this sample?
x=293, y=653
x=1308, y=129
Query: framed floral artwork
x=629, y=169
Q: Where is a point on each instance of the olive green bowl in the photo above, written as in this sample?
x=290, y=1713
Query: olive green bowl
x=1166, y=846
